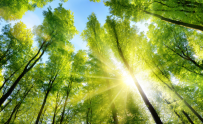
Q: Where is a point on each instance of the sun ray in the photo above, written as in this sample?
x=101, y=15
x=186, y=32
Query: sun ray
x=104, y=77
x=109, y=105
x=93, y=93
x=116, y=96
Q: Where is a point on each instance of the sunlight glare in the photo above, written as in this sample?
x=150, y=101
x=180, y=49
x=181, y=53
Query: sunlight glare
x=128, y=80
x=126, y=77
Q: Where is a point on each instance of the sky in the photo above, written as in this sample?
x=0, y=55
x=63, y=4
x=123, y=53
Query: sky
x=81, y=10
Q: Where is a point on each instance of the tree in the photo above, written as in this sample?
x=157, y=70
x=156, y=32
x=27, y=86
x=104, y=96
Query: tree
x=175, y=49
x=78, y=66
x=175, y=12
x=15, y=43
x=94, y=35
x=117, y=48
x=125, y=77
x=47, y=38
x=56, y=71
x=13, y=10
x=113, y=27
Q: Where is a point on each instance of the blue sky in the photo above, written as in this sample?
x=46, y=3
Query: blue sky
x=81, y=10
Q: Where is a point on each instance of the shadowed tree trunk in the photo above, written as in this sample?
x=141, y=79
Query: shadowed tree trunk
x=187, y=116
x=9, y=101
x=187, y=25
x=114, y=113
x=58, y=101
x=66, y=100
x=18, y=106
x=31, y=63
x=144, y=97
x=27, y=68
x=42, y=107
x=45, y=98
x=172, y=89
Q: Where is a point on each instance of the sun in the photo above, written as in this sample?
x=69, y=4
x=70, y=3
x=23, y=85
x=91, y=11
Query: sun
x=128, y=80
x=126, y=77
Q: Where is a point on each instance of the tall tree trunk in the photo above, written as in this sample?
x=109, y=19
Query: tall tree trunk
x=14, y=110
x=56, y=107
x=42, y=116
x=114, y=113
x=144, y=97
x=54, y=117
x=3, y=107
x=189, y=107
x=187, y=25
x=66, y=100
x=174, y=111
x=28, y=67
x=18, y=105
x=9, y=101
x=187, y=116
x=45, y=98
x=113, y=108
x=89, y=112
x=42, y=107
x=87, y=116
x=7, y=79
x=15, y=115
x=172, y=89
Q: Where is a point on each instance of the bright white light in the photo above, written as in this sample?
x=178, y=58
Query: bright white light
x=128, y=80
x=126, y=77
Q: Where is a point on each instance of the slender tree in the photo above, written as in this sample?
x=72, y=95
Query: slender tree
x=48, y=39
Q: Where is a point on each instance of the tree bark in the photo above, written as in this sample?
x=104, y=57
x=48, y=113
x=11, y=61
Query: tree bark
x=26, y=69
x=56, y=107
x=3, y=107
x=42, y=116
x=6, y=79
x=175, y=111
x=114, y=113
x=187, y=25
x=9, y=101
x=64, y=107
x=54, y=117
x=14, y=110
x=18, y=105
x=87, y=116
x=42, y=107
x=45, y=98
x=187, y=116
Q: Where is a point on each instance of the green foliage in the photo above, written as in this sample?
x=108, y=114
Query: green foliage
x=53, y=30
x=95, y=86
x=184, y=13
x=15, y=42
x=14, y=9
x=95, y=0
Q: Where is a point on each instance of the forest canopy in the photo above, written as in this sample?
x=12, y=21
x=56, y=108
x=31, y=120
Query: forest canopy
x=126, y=76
